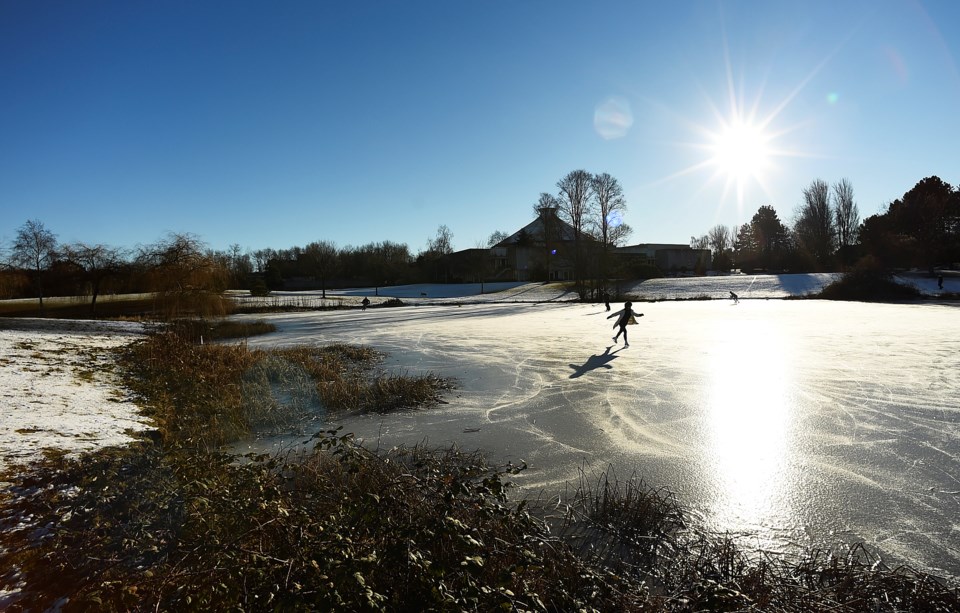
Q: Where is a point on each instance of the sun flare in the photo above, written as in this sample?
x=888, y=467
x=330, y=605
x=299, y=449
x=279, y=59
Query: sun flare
x=740, y=151
x=744, y=140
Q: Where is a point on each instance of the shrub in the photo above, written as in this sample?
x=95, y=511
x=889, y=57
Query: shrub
x=868, y=282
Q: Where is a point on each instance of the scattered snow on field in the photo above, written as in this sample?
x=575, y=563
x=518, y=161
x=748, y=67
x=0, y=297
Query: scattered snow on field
x=56, y=391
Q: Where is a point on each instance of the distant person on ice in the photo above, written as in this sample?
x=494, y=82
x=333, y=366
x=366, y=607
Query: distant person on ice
x=364, y=303
x=735, y=298
x=627, y=316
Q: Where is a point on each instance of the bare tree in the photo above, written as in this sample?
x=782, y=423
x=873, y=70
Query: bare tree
x=261, y=257
x=814, y=223
x=574, y=203
x=574, y=200
x=610, y=205
x=185, y=277
x=321, y=259
x=98, y=262
x=240, y=264
x=432, y=261
x=546, y=201
x=34, y=248
x=442, y=244
x=846, y=214
x=497, y=237
x=701, y=243
x=720, y=238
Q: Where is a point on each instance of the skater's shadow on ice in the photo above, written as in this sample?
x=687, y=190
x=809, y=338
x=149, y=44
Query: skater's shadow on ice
x=593, y=362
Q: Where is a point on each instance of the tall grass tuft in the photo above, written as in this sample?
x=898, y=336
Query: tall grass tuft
x=623, y=521
x=206, y=395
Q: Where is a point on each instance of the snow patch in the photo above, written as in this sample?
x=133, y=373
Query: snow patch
x=58, y=391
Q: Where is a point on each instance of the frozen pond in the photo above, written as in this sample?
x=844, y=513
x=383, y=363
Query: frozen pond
x=785, y=422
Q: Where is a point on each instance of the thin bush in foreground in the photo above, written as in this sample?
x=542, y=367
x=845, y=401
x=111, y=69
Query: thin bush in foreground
x=631, y=530
x=338, y=528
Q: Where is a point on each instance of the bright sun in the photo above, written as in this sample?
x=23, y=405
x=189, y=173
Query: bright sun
x=740, y=151
x=743, y=145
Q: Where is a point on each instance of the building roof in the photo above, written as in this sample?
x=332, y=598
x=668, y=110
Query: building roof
x=536, y=228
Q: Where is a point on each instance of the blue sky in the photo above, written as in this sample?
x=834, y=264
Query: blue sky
x=274, y=124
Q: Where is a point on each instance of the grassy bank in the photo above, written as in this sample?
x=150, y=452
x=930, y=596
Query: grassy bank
x=174, y=524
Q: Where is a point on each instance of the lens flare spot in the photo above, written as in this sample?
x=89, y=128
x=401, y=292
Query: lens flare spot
x=614, y=219
x=833, y=98
x=898, y=65
x=613, y=118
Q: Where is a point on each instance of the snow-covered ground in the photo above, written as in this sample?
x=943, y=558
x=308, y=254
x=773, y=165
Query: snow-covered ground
x=747, y=287
x=784, y=422
x=56, y=393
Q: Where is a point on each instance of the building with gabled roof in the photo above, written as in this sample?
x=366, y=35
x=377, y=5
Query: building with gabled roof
x=544, y=250
x=541, y=250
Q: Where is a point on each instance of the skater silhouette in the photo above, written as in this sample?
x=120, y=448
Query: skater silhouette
x=364, y=303
x=627, y=316
x=735, y=298
x=593, y=362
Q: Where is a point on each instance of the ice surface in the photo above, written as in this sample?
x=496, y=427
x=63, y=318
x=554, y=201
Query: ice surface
x=783, y=422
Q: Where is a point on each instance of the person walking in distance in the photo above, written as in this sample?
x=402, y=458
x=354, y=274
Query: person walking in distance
x=735, y=298
x=626, y=317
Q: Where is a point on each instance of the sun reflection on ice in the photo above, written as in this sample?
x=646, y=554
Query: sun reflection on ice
x=749, y=418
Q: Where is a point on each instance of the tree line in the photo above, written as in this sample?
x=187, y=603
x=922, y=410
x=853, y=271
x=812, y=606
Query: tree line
x=919, y=230
x=36, y=265
x=181, y=265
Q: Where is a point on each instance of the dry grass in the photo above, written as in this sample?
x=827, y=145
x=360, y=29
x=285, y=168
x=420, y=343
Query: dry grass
x=134, y=307
x=210, y=394
x=636, y=531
